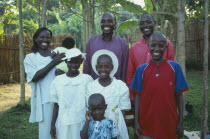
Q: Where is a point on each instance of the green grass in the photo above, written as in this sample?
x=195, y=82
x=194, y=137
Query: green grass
x=192, y=122
x=14, y=122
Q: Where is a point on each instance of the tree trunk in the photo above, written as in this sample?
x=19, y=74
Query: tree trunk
x=162, y=24
x=180, y=47
x=88, y=11
x=39, y=13
x=44, y=11
x=204, y=117
x=180, y=43
x=21, y=50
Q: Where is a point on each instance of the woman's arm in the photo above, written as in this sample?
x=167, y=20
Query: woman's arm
x=43, y=72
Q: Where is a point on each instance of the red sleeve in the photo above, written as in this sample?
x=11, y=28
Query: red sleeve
x=130, y=72
x=170, y=51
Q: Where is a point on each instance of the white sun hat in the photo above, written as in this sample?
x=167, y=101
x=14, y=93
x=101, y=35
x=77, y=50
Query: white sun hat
x=105, y=52
x=73, y=52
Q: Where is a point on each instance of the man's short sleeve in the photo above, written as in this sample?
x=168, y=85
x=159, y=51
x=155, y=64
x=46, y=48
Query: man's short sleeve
x=180, y=81
x=136, y=84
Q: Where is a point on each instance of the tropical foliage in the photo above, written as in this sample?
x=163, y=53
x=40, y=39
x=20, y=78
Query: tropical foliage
x=66, y=16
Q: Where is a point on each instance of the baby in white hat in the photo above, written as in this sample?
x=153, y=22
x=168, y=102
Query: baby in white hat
x=67, y=43
x=68, y=95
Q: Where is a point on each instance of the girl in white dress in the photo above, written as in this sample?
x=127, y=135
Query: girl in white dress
x=68, y=95
x=115, y=92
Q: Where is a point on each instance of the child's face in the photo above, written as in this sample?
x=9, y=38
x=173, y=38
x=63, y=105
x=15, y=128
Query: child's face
x=74, y=64
x=97, y=111
x=157, y=47
x=104, y=67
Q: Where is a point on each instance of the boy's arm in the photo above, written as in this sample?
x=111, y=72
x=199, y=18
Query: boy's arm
x=84, y=132
x=180, y=103
x=54, y=118
x=137, y=128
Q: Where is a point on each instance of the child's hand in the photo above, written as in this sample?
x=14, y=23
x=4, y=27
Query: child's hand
x=53, y=132
x=88, y=115
x=137, y=131
x=179, y=130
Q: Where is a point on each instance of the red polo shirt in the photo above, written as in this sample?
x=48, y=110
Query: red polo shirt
x=158, y=85
x=139, y=54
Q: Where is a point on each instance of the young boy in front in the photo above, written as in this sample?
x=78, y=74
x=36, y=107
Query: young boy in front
x=159, y=85
x=97, y=126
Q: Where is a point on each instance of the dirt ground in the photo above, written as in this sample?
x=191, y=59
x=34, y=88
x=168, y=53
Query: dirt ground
x=10, y=95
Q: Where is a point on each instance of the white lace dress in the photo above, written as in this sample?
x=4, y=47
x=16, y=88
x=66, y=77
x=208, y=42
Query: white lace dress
x=117, y=98
x=69, y=93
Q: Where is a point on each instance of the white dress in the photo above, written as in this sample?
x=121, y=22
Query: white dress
x=41, y=108
x=117, y=98
x=69, y=93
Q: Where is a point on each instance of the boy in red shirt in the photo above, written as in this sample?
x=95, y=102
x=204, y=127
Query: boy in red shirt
x=139, y=52
x=159, y=85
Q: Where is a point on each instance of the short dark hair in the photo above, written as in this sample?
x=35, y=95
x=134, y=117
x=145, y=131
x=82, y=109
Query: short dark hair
x=97, y=98
x=68, y=42
x=104, y=56
x=157, y=34
x=111, y=14
x=35, y=46
x=153, y=19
